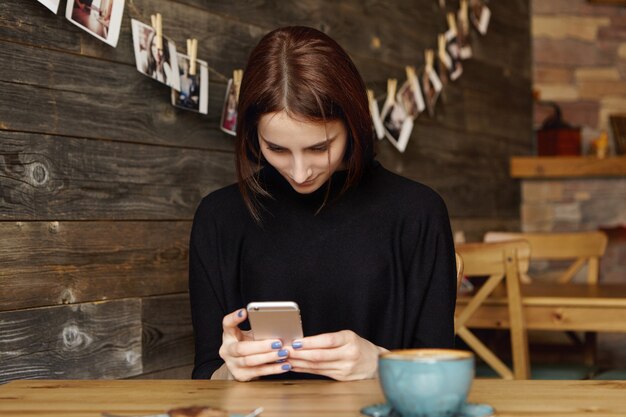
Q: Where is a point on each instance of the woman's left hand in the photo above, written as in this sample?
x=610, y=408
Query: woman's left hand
x=344, y=356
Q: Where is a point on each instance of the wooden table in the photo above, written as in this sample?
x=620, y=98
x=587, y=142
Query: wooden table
x=32, y=398
x=576, y=307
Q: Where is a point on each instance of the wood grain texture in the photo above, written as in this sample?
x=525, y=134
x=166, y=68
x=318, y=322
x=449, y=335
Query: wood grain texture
x=296, y=398
x=100, y=176
x=51, y=177
x=95, y=340
x=61, y=96
x=167, y=333
x=567, y=166
x=181, y=372
x=53, y=263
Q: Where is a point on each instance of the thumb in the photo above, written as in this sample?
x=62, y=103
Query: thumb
x=231, y=321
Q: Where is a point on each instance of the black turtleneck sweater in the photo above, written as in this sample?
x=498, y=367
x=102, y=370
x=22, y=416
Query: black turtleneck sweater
x=378, y=260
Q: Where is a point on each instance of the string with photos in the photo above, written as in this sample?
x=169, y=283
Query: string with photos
x=156, y=55
x=402, y=106
x=421, y=91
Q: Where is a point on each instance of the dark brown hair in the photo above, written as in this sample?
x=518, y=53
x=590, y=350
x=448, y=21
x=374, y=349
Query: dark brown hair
x=307, y=74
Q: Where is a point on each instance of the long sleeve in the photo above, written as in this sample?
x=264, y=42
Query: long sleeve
x=206, y=296
x=432, y=281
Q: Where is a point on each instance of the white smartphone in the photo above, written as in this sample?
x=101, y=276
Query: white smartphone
x=275, y=320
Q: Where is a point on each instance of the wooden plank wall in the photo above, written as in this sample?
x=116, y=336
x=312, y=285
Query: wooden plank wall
x=100, y=176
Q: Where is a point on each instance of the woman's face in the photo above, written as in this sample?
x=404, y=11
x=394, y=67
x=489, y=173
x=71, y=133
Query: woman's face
x=305, y=153
x=156, y=52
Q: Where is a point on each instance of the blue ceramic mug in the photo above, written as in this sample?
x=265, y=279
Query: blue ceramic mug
x=426, y=382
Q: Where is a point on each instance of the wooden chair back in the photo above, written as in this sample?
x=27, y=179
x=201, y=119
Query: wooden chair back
x=459, y=270
x=501, y=262
x=583, y=248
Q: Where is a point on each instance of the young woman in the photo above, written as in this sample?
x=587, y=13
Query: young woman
x=367, y=254
x=158, y=64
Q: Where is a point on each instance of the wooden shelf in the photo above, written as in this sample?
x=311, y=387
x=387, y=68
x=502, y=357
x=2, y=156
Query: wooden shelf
x=567, y=166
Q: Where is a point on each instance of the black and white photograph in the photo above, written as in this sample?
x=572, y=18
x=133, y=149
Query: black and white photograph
x=228, y=121
x=431, y=86
x=480, y=15
x=152, y=61
x=453, y=50
x=410, y=97
x=194, y=89
x=398, y=126
x=463, y=32
x=100, y=18
x=375, y=113
x=52, y=5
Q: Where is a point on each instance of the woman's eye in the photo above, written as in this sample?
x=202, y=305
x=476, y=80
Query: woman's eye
x=275, y=149
x=320, y=148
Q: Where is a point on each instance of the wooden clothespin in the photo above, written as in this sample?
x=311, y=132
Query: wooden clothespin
x=157, y=25
x=463, y=15
x=441, y=41
x=429, y=58
x=410, y=73
x=452, y=22
x=237, y=76
x=392, y=86
x=192, y=52
x=370, y=96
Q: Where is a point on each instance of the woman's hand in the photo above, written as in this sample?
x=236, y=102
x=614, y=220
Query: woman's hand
x=245, y=358
x=344, y=356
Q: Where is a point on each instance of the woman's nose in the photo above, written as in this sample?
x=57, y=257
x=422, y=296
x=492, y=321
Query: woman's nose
x=300, y=171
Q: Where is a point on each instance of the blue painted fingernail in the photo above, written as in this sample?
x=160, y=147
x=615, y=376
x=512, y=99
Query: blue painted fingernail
x=286, y=367
x=281, y=360
x=277, y=345
x=282, y=353
x=240, y=313
x=297, y=345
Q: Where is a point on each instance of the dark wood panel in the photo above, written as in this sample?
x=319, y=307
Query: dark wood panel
x=109, y=113
x=180, y=372
x=71, y=95
x=56, y=178
x=52, y=263
x=405, y=29
x=224, y=43
x=460, y=166
x=167, y=332
x=85, y=341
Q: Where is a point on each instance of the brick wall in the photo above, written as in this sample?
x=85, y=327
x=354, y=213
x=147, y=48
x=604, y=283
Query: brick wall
x=579, y=61
x=579, y=204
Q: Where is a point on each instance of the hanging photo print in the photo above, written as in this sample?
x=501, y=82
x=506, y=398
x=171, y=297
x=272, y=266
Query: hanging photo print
x=52, y=5
x=410, y=95
x=228, y=121
x=155, y=58
x=431, y=85
x=463, y=32
x=100, y=18
x=375, y=113
x=397, y=124
x=480, y=15
x=443, y=63
x=194, y=88
x=452, y=47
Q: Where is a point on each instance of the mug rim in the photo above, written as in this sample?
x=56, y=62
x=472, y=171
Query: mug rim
x=427, y=355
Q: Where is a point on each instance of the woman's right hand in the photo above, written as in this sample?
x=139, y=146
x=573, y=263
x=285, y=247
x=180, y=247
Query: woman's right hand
x=246, y=358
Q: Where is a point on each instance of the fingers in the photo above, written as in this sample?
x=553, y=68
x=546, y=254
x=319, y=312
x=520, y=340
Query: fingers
x=231, y=321
x=247, y=374
x=326, y=340
x=270, y=349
